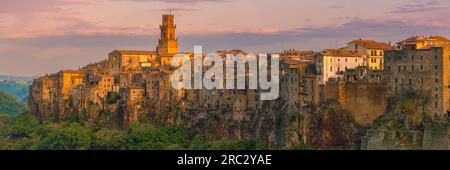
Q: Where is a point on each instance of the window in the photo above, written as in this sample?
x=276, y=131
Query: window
x=410, y=81
x=389, y=68
x=399, y=68
x=421, y=67
x=435, y=67
x=412, y=58
x=435, y=57
x=412, y=67
x=404, y=68
x=421, y=57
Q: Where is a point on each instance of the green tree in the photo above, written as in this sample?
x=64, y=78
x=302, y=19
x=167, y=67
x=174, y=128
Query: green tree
x=3, y=144
x=144, y=136
x=233, y=145
x=70, y=137
x=4, y=125
x=24, y=125
x=9, y=105
x=28, y=143
x=302, y=146
x=177, y=135
x=109, y=139
x=198, y=143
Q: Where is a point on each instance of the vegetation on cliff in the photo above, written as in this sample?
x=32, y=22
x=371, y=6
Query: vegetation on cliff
x=401, y=127
x=23, y=132
x=9, y=105
x=332, y=127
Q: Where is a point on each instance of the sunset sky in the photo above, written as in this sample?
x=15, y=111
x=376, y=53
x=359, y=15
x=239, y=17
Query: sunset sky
x=44, y=36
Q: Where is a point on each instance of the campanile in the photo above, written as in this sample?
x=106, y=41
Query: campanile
x=167, y=43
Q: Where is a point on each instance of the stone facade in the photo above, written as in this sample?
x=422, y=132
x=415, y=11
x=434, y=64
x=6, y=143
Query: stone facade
x=421, y=64
x=333, y=63
x=366, y=101
x=372, y=52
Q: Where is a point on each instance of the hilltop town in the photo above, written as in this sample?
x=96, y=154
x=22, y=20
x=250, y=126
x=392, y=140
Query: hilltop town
x=358, y=86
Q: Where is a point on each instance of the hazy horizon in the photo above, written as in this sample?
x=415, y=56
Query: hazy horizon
x=44, y=36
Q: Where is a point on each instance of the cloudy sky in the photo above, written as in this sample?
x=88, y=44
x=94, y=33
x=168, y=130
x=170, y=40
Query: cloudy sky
x=44, y=36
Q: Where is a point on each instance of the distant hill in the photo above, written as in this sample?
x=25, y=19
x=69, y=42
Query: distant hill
x=17, y=88
x=9, y=105
x=15, y=78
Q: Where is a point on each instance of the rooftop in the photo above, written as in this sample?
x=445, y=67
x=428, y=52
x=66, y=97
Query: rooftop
x=371, y=44
x=340, y=53
x=417, y=39
x=133, y=52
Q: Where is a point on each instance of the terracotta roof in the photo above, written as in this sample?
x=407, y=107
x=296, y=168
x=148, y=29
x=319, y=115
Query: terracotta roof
x=291, y=61
x=223, y=53
x=415, y=39
x=133, y=52
x=70, y=71
x=371, y=44
x=340, y=53
x=439, y=38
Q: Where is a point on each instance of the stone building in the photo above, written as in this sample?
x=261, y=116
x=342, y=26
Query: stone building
x=304, y=56
x=128, y=60
x=372, y=52
x=42, y=96
x=167, y=43
x=332, y=63
x=298, y=84
x=421, y=64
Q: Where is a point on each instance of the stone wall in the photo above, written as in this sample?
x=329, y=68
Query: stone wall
x=365, y=101
x=436, y=136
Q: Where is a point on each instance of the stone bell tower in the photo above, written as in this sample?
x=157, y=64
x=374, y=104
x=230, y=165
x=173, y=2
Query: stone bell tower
x=168, y=43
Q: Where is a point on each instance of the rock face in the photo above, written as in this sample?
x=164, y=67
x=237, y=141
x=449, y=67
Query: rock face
x=271, y=126
x=332, y=127
x=406, y=127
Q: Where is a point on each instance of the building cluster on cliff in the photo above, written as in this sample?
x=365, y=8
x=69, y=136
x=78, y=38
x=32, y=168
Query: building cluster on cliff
x=133, y=82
